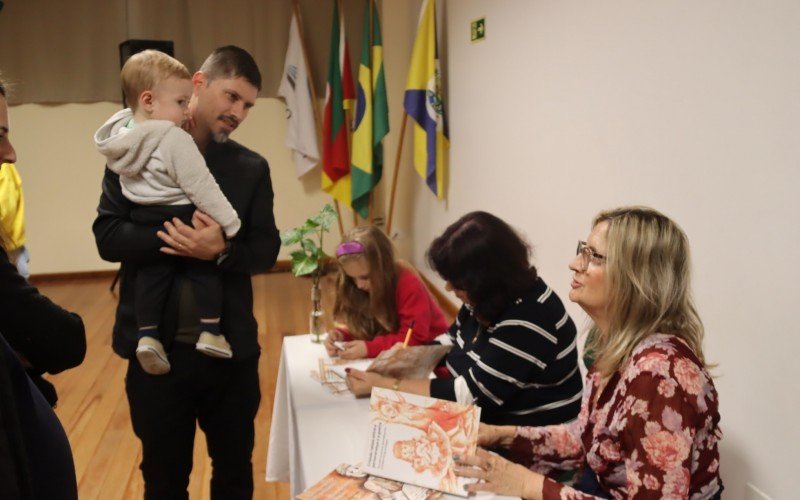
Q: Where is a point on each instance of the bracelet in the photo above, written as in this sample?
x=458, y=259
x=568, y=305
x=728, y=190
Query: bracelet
x=396, y=385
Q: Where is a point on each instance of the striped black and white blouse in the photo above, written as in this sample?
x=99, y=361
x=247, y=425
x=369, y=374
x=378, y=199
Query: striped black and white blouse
x=523, y=369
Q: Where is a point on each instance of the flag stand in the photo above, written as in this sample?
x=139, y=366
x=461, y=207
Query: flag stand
x=394, y=174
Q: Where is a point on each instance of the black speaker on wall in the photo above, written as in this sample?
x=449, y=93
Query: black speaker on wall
x=131, y=47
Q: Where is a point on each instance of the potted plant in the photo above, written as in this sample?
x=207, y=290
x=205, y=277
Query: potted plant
x=308, y=260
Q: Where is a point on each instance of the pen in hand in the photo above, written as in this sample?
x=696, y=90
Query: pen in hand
x=408, y=334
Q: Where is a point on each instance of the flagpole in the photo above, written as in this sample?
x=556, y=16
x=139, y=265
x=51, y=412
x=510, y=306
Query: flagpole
x=314, y=99
x=394, y=174
x=371, y=206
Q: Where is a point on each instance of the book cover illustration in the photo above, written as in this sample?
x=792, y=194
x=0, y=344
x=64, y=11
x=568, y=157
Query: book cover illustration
x=413, y=439
x=350, y=482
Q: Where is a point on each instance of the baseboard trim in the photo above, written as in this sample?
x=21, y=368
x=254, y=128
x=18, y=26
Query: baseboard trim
x=37, y=279
x=280, y=266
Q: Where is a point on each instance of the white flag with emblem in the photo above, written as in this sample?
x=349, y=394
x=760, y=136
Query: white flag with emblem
x=301, y=130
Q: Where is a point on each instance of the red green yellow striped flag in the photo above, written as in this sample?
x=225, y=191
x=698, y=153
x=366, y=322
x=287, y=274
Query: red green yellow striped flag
x=339, y=97
x=372, y=115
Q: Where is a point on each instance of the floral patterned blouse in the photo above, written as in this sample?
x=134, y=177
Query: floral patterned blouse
x=650, y=432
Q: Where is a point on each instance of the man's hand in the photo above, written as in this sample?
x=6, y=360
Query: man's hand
x=204, y=241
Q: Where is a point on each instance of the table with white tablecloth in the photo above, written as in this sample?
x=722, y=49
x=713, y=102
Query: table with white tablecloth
x=312, y=429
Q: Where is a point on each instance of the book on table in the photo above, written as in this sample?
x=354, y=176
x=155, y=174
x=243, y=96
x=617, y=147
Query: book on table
x=412, y=439
x=352, y=483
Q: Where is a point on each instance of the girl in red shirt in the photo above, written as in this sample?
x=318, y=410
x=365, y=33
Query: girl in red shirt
x=378, y=298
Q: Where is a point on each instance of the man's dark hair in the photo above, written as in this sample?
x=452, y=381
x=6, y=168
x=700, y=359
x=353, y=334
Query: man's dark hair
x=2, y=87
x=231, y=62
x=483, y=256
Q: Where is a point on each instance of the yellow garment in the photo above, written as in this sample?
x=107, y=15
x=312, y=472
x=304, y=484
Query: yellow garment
x=12, y=206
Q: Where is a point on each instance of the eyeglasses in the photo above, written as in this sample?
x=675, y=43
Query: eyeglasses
x=588, y=256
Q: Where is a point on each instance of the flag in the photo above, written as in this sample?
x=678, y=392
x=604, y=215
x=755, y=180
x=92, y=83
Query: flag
x=372, y=115
x=423, y=102
x=339, y=97
x=301, y=128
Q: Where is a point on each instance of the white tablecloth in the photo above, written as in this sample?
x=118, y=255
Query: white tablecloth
x=312, y=430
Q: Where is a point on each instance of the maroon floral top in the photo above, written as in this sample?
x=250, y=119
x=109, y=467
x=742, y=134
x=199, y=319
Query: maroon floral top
x=652, y=431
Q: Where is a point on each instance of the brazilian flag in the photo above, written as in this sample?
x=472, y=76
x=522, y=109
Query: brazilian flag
x=372, y=114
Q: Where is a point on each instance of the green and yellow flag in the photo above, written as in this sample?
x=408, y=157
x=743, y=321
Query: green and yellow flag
x=372, y=114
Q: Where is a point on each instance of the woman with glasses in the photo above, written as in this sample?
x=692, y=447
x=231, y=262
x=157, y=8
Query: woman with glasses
x=514, y=350
x=648, y=426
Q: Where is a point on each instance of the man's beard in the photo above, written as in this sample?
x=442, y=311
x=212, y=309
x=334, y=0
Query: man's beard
x=220, y=137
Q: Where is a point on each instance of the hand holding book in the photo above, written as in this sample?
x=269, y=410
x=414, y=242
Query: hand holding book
x=498, y=475
x=414, y=439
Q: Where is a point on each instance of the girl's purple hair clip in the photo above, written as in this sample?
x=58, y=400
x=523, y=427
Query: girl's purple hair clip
x=349, y=247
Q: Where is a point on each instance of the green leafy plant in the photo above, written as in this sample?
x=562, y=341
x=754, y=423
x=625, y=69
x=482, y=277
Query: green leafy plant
x=308, y=258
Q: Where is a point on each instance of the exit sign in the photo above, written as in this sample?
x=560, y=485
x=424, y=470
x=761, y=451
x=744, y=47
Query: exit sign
x=478, y=31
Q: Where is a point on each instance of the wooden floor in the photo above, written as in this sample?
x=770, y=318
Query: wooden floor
x=94, y=409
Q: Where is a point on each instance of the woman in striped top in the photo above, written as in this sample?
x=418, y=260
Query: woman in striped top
x=514, y=345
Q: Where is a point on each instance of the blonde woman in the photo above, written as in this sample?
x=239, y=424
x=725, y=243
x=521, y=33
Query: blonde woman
x=648, y=426
x=378, y=298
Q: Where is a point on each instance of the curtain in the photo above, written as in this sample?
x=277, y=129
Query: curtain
x=59, y=51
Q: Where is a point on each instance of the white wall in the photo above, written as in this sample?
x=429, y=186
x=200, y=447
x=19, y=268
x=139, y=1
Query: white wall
x=569, y=107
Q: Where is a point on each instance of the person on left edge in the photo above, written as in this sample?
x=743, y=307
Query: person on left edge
x=221, y=395
x=12, y=217
x=36, y=336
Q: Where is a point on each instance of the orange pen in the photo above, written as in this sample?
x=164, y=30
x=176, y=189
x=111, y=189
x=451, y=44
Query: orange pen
x=408, y=334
